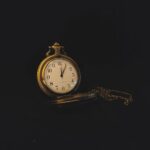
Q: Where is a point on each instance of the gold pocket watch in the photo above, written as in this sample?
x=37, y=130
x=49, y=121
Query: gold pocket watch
x=58, y=74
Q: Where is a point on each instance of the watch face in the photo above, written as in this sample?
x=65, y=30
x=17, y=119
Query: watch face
x=61, y=75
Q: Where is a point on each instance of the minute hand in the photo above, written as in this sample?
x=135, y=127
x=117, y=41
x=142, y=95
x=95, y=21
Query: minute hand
x=64, y=70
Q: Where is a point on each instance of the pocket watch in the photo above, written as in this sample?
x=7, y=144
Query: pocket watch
x=58, y=74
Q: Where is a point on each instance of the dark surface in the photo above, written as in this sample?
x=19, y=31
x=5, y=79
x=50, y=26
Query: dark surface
x=109, y=41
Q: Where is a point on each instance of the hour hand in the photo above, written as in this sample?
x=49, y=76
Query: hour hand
x=61, y=73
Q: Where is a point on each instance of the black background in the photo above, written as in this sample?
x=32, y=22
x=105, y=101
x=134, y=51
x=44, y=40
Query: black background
x=109, y=41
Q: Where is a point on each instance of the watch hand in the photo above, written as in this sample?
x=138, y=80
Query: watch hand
x=63, y=70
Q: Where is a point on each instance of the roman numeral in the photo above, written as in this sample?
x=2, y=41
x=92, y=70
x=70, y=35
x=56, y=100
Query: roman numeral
x=70, y=68
x=51, y=83
x=48, y=77
x=73, y=74
x=63, y=88
x=56, y=87
x=59, y=63
x=49, y=70
x=53, y=65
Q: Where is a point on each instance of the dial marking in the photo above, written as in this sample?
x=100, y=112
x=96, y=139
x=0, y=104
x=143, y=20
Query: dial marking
x=59, y=63
x=50, y=70
x=68, y=85
x=53, y=65
x=48, y=77
x=51, y=83
x=61, y=76
x=70, y=68
x=73, y=74
x=63, y=88
x=56, y=87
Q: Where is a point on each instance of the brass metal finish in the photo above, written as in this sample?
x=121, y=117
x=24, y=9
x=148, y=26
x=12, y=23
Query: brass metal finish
x=112, y=95
x=94, y=94
x=56, y=51
x=50, y=57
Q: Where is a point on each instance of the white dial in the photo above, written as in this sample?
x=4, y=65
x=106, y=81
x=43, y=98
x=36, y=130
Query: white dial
x=60, y=76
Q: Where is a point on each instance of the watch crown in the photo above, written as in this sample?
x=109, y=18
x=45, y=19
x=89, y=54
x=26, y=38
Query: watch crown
x=56, y=49
x=56, y=45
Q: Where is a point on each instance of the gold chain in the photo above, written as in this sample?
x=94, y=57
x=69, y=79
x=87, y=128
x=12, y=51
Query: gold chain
x=111, y=95
x=107, y=94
